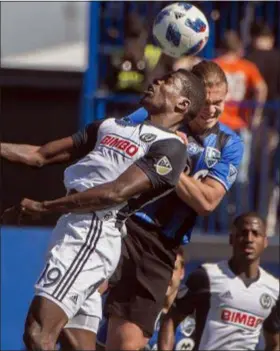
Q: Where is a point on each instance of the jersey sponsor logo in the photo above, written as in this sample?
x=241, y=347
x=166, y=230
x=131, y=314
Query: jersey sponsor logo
x=147, y=137
x=265, y=301
x=212, y=156
x=240, y=318
x=127, y=146
x=232, y=174
x=194, y=149
x=163, y=166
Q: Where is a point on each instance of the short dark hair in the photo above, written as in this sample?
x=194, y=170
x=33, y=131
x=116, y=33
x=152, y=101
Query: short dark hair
x=259, y=29
x=210, y=73
x=239, y=219
x=231, y=41
x=192, y=88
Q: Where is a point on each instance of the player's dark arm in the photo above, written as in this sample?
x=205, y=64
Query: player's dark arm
x=132, y=182
x=169, y=324
x=271, y=329
x=272, y=341
x=57, y=151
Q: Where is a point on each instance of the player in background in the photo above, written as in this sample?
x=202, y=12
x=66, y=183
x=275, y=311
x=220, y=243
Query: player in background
x=231, y=299
x=155, y=232
x=184, y=331
x=119, y=161
x=271, y=329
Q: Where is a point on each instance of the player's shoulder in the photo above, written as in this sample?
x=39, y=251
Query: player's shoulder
x=269, y=282
x=159, y=132
x=229, y=133
x=215, y=269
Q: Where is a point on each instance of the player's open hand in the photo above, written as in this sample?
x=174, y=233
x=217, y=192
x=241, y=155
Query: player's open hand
x=182, y=136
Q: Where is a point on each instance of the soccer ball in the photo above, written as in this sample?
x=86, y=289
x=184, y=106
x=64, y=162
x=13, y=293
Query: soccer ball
x=180, y=29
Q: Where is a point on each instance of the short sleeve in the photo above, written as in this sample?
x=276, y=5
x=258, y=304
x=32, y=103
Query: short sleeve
x=85, y=139
x=272, y=322
x=226, y=170
x=164, y=162
x=194, y=292
x=254, y=74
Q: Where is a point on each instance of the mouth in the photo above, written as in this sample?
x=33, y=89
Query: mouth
x=248, y=250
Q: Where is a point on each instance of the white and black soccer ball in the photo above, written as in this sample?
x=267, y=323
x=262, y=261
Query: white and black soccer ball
x=180, y=29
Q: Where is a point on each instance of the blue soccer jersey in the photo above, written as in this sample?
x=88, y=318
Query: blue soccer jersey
x=215, y=154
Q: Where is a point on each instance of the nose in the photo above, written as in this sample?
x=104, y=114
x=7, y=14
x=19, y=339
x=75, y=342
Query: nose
x=249, y=236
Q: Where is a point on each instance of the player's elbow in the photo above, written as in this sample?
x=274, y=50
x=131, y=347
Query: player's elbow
x=205, y=209
x=116, y=195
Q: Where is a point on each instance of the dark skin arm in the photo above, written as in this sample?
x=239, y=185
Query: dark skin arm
x=57, y=151
x=272, y=341
x=132, y=182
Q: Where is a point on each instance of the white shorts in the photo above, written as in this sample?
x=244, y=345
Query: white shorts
x=84, y=252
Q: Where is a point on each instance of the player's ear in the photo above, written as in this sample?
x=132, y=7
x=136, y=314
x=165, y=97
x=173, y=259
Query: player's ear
x=183, y=104
x=265, y=242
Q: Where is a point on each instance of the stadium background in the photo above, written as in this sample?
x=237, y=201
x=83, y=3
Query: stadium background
x=51, y=70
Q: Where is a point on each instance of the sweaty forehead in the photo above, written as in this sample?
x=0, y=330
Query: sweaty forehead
x=216, y=93
x=252, y=223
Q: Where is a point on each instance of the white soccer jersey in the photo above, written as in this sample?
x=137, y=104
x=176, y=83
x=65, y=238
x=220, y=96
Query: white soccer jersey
x=229, y=312
x=109, y=147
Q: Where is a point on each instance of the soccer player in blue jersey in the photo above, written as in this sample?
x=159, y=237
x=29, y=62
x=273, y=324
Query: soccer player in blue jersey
x=155, y=233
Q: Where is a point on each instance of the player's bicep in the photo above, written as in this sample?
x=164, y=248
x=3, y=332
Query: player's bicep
x=132, y=182
x=164, y=163
x=218, y=190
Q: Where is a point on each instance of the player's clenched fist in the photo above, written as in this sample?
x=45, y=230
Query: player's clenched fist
x=29, y=206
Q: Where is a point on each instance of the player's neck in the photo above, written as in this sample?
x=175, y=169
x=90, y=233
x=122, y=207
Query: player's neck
x=166, y=121
x=245, y=269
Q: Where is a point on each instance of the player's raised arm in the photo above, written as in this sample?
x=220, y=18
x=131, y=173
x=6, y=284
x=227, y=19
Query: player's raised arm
x=204, y=194
x=58, y=151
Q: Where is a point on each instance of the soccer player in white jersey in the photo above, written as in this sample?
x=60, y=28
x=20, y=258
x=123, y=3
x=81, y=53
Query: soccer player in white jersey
x=119, y=161
x=231, y=299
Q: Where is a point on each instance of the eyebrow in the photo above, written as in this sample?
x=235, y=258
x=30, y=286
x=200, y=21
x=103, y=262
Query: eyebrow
x=214, y=102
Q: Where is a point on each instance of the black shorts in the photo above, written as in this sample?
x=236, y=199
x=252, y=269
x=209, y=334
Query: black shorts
x=140, y=282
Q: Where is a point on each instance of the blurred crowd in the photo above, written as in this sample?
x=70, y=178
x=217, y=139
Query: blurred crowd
x=251, y=110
